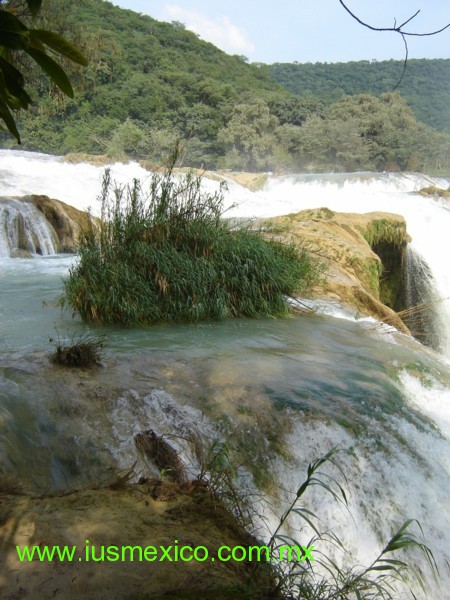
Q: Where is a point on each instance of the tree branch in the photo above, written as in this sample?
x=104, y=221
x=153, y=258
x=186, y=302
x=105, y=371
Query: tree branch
x=396, y=29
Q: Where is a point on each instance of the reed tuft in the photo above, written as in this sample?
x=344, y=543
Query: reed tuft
x=167, y=255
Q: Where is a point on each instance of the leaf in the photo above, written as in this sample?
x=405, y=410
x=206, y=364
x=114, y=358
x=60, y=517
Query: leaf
x=13, y=34
x=383, y=567
x=7, y=117
x=34, y=7
x=52, y=69
x=301, y=512
x=59, y=44
x=13, y=84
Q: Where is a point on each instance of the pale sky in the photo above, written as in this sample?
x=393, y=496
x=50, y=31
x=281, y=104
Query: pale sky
x=307, y=30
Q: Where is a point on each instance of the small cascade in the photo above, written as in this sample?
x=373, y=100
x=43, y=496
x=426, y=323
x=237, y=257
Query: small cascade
x=24, y=230
x=419, y=291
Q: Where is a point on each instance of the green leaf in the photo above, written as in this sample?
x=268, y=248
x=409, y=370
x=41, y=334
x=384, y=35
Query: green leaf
x=383, y=567
x=9, y=22
x=59, y=44
x=13, y=34
x=11, y=72
x=52, y=69
x=6, y=116
x=13, y=83
x=34, y=7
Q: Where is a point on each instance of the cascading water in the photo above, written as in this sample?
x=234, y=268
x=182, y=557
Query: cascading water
x=281, y=392
x=419, y=291
x=428, y=219
x=24, y=228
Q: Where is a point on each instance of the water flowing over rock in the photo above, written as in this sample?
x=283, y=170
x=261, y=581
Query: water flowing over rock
x=278, y=393
x=419, y=291
x=33, y=225
x=24, y=231
x=363, y=256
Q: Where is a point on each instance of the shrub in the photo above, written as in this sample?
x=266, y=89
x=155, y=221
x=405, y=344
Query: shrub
x=169, y=256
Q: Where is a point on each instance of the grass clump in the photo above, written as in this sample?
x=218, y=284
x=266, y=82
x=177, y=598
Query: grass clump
x=83, y=352
x=166, y=255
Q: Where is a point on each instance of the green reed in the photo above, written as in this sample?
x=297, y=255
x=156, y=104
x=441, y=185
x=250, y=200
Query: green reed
x=166, y=254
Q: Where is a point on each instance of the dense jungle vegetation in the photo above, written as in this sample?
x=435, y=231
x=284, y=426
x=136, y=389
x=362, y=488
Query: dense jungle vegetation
x=149, y=83
x=425, y=86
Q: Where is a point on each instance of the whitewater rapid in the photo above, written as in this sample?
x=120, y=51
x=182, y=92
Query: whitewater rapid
x=427, y=218
x=325, y=382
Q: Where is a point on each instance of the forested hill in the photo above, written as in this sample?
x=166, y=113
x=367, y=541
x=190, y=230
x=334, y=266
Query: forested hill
x=425, y=86
x=149, y=84
x=158, y=78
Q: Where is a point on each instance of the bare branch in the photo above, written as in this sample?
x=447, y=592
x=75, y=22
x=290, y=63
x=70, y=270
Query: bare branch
x=410, y=19
x=405, y=62
x=396, y=29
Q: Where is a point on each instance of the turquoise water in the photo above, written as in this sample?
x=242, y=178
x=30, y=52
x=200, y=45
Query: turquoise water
x=280, y=393
x=235, y=372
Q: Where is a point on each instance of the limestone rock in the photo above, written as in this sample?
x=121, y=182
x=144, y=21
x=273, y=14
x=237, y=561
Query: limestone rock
x=100, y=523
x=432, y=190
x=66, y=220
x=362, y=253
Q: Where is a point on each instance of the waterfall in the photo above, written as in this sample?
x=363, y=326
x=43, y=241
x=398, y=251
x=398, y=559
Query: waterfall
x=284, y=392
x=420, y=291
x=24, y=230
x=428, y=219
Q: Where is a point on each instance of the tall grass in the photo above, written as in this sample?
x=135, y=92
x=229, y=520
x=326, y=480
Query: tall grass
x=323, y=579
x=167, y=255
x=316, y=575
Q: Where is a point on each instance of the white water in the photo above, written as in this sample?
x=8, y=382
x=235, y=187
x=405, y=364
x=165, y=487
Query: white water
x=388, y=483
x=23, y=173
x=23, y=226
x=428, y=219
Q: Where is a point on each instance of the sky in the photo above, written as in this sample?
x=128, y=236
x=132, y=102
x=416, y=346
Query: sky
x=307, y=30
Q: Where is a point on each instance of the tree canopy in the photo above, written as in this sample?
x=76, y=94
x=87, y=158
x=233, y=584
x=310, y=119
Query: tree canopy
x=149, y=83
x=426, y=86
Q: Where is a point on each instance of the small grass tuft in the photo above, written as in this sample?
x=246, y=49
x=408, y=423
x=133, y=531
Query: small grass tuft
x=81, y=352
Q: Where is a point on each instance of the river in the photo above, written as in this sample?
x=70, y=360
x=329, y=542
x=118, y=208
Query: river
x=280, y=393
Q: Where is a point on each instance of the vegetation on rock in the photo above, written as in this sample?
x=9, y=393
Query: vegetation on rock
x=169, y=256
x=84, y=352
x=432, y=190
x=362, y=256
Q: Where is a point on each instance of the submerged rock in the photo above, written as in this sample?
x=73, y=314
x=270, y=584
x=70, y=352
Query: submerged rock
x=433, y=190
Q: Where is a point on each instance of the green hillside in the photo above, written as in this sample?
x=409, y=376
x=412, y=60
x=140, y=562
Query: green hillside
x=425, y=86
x=147, y=83
x=150, y=83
